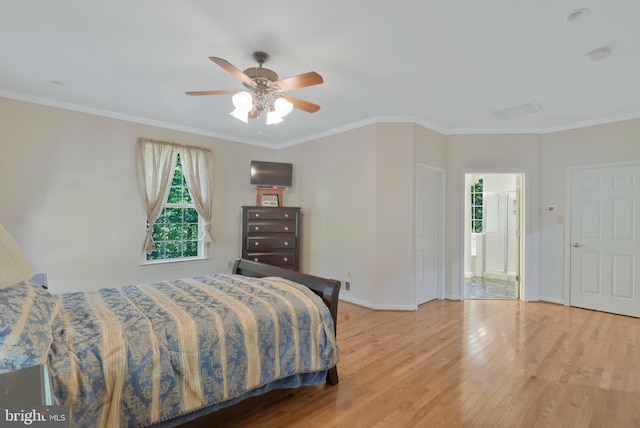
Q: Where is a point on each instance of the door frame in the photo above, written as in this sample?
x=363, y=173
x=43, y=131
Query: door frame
x=567, y=224
x=527, y=283
x=442, y=229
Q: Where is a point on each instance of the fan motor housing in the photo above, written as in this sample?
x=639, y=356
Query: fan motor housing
x=261, y=73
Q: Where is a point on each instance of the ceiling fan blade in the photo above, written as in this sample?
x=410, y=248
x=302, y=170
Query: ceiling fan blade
x=230, y=91
x=233, y=70
x=301, y=81
x=301, y=104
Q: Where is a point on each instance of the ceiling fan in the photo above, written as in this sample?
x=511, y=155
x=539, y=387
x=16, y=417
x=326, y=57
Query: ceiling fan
x=264, y=91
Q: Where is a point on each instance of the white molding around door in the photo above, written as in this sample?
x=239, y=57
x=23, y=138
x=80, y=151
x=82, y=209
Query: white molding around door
x=437, y=209
x=530, y=244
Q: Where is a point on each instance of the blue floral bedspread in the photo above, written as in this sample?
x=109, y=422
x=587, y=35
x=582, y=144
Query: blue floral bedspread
x=139, y=355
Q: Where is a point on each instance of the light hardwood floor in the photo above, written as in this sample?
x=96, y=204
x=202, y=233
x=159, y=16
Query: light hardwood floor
x=477, y=363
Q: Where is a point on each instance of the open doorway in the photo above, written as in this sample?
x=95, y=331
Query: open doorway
x=492, y=245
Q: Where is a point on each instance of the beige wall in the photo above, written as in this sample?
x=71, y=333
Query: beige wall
x=357, y=198
x=69, y=196
x=430, y=147
x=338, y=176
x=592, y=145
x=356, y=188
x=492, y=153
x=546, y=158
x=395, y=170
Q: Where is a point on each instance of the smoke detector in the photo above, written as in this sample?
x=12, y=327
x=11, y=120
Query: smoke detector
x=577, y=14
x=599, y=54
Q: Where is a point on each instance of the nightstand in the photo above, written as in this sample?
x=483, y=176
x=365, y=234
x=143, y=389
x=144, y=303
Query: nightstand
x=27, y=386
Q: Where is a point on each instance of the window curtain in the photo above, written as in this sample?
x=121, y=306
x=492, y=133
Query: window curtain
x=155, y=164
x=197, y=165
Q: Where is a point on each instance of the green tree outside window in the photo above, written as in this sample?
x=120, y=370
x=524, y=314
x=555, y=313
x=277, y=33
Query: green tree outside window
x=175, y=233
x=477, y=207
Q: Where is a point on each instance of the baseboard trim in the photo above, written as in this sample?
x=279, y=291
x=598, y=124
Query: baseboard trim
x=551, y=300
x=378, y=307
x=447, y=297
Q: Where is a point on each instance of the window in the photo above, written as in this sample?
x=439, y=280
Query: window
x=176, y=192
x=477, y=207
x=176, y=231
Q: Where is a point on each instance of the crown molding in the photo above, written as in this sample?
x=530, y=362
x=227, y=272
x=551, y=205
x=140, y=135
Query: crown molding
x=126, y=117
x=348, y=127
x=584, y=124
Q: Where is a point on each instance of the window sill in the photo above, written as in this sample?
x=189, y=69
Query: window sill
x=170, y=261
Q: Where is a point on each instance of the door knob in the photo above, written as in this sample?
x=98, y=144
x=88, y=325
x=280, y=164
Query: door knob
x=577, y=245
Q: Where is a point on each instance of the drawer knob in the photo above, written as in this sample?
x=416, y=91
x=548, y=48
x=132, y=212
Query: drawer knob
x=255, y=260
x=257, y=228
x=286, y=259
x=286, y=228
x=286, y=243
x=257, y=214
x=256, y=244
x=286, y=215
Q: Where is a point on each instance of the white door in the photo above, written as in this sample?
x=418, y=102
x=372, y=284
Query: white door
x=605, y=239
x=427, y=238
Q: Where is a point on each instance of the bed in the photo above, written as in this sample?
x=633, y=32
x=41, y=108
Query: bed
x=167, y=353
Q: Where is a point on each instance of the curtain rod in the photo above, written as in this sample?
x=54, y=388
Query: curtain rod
x=150, y=140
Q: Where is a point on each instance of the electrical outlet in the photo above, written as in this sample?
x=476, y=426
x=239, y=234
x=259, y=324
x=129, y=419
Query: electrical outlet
x=347, y=285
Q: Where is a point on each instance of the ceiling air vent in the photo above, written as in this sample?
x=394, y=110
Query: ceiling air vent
x=519, y=110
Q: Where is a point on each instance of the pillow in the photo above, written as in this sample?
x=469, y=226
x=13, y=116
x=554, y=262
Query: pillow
x=26, y=311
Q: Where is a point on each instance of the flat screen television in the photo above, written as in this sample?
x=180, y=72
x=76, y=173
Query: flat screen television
x=271, y=173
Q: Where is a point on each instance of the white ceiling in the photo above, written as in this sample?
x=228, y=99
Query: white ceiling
x=447, y=65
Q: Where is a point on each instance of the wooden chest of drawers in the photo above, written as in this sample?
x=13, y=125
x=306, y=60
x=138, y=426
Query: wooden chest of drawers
x=271, y=235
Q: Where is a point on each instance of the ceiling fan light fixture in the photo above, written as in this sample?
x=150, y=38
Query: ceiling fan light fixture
x=240, y=115
x=282, y=106
x=273, y=118
x=263, y=88
x=243, y=101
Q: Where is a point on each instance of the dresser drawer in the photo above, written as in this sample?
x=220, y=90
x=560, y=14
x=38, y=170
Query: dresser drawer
x=285, y=259
x=272, y=242
x=283, y=226
x=271, y=235
x=262, y=213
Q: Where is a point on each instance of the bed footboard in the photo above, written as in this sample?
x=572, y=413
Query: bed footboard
x=328, y=289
